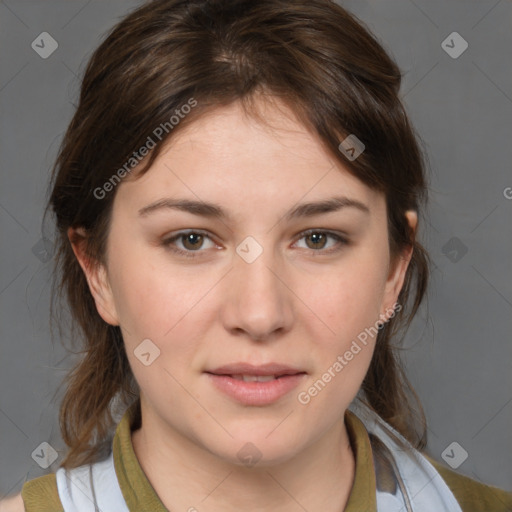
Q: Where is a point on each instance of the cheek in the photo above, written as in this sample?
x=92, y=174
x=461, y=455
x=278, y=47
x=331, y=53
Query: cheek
x=164, y=310
x=173, y=310
x=351, y=298
x=151, y=302
x=350, y=305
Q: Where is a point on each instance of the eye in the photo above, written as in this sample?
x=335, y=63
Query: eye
x=191, y=241
x=317, y=240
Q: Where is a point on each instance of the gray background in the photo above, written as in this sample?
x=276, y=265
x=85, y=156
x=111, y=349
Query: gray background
x=459, y=352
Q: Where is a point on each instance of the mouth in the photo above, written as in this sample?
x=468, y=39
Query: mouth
x=270, y=370
x=257, y=378
x=256, y=385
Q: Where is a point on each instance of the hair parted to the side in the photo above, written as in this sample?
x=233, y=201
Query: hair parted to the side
x=311, y=54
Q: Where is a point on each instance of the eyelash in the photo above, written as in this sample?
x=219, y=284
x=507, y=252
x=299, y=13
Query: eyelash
x=192, y=254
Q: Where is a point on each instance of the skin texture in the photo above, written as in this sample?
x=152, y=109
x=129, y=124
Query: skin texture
x=296, y=304
x=12, y=504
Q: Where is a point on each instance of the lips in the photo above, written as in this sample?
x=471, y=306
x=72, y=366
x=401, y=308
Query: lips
x=256, y=385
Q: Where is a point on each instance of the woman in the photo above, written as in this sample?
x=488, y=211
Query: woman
x=237, y=198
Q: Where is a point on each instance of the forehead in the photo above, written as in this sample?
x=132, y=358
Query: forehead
x=229, y=155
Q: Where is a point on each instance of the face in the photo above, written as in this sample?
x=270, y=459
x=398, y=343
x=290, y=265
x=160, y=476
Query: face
x=216, y=268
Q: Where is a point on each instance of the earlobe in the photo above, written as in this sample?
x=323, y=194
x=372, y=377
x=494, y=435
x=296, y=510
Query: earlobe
x=398, y=268
x=96, y=276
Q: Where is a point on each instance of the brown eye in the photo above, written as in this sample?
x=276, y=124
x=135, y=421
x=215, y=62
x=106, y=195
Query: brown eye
x=192, y=241
x=323, y=242
x=318, y=240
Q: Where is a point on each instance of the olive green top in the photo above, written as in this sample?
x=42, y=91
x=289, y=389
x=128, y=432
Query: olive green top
x=41, y=495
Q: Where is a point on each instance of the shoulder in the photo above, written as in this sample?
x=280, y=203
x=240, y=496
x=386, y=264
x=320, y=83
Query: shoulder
x=39, y=495
x=12, y=504
x=473, y=496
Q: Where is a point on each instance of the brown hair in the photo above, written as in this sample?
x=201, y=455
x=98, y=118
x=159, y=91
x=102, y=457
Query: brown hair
x=311, y=54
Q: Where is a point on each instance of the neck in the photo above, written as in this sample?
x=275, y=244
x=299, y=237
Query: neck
x=187, y=477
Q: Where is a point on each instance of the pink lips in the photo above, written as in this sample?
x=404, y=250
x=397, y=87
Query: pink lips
x=238, y=381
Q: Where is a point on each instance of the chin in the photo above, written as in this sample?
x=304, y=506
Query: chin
x=257, y=452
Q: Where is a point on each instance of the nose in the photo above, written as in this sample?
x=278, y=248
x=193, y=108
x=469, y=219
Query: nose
x=259, y=302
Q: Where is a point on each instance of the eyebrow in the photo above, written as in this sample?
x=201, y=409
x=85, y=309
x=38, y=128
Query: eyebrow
x=215, y=211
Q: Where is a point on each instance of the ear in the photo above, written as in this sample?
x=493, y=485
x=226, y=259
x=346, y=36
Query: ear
x=398, y=269
x=96, y=275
